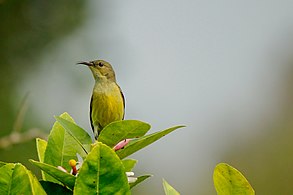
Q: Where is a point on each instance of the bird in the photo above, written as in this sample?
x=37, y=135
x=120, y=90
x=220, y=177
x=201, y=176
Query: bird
x=107, y=101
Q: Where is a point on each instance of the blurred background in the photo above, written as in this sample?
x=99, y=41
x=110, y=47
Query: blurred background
x=222, y=68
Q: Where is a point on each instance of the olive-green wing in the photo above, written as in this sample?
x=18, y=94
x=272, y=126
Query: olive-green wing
x=91, y=109
x=123, y=101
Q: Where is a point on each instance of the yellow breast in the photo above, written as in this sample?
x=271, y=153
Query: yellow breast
x=107, y=105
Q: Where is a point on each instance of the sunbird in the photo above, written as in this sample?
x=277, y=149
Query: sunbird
x=107, y=101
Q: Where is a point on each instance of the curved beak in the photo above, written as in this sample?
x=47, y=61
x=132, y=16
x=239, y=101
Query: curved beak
x=86, y=63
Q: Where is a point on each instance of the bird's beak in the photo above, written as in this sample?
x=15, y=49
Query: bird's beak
x=86, y=63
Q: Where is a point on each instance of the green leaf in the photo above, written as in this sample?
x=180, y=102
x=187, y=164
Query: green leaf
x=169, y=190
x=16, y=179
x=61, y=147
x=41, y=147
x=129, y=164
x=137, y=144
x=2, y=163
x=80, y=135
x=229, y=181
x=65, y=178
x=102, y=172
x=139, y=180
x=6, y=178
x=120, y=130
x=54, y=188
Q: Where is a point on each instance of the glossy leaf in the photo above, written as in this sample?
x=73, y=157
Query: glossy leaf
x=61, y=147
x=65, y=178
x=6, y=178
x=41, y=147
x=144, y=141
x=102, y=172
x=229, y=181
x=54, y=188
x=139, y=180
x=2, y=163
x=129, y=164
x=12, y=175
x=169, y=190
x=119, y=130
x=79, y=134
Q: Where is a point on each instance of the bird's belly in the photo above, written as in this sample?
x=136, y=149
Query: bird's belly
x=107, y=106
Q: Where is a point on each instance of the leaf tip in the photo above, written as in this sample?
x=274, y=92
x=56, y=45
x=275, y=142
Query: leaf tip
x=31, y=161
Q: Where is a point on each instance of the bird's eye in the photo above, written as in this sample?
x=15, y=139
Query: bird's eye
x=100, y=64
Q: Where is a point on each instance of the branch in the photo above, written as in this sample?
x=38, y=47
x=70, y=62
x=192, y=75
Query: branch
x=20, y=137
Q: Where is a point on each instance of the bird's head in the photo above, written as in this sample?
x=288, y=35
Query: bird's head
x=101, y=70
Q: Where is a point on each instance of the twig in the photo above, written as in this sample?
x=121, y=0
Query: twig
x=21, y=114
x=17, y=137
